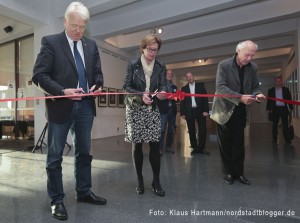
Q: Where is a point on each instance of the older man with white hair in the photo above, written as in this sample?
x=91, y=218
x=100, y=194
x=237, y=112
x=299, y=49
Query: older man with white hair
x=236, y=76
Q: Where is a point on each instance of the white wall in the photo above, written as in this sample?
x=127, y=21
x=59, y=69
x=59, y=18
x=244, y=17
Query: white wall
x=110, y=120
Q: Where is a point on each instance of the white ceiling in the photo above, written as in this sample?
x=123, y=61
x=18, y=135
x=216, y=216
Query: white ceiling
x=193, y=30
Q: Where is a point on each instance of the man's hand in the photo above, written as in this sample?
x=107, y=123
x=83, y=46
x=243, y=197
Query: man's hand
x=260, y=97
x=247, y=99
x=205, y=114
x=74, y=93
x=96, y=89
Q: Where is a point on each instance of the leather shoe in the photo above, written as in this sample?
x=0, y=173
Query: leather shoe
x=244, y=180
x=228, y=179
x=92, y=199
x=157, y=189
x=204, y=152
x=195, y=151
x=59, y=211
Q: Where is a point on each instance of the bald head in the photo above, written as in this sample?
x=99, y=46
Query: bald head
x=189, y=77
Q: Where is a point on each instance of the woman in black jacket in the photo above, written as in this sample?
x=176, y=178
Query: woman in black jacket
x=145, y=76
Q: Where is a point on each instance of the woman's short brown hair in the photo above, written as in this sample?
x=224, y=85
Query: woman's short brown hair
x=150, y=39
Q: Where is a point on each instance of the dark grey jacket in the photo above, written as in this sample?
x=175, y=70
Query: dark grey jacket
x=228, y=82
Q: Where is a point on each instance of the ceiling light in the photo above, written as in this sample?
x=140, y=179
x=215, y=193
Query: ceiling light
x=159, y=30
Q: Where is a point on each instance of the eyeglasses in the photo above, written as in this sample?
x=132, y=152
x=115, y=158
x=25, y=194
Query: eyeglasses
x=75, y=26
x=149, y=50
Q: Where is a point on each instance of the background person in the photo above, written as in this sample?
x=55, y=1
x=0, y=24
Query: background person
x=168, y=111
x=230, y=113
x=195, y=109
x=279, y=110
x=145, y=75
x=62, y=69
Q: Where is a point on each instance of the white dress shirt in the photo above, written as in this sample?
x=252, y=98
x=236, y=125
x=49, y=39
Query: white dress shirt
x=192, y=90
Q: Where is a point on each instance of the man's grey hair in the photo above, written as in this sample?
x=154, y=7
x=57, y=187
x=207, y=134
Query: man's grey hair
x=245, y=44
x=80, y=9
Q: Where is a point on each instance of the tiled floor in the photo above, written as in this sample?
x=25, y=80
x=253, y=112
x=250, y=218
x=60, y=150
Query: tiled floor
x=195, y=190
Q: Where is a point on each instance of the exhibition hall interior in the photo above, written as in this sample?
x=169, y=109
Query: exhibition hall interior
x=196, y=36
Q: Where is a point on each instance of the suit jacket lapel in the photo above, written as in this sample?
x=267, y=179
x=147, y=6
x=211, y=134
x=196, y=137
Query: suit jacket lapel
x=86, y=54
x=67, y=50
x=235, y=72
x=187, y=88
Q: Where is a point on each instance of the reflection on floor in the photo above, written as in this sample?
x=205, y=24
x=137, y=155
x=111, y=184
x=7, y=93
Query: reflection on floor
x=195, y=190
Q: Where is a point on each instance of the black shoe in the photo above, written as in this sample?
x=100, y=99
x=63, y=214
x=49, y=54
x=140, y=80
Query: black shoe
x=204, y=152
x=157, y=189
x=59, y=211
x=140, y=188
x=244, y=180
x=228, y=179
x=195, y=151
x=92, y=199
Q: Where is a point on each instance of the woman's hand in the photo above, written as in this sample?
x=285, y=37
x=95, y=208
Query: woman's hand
x=161, y=95
x=147, y=99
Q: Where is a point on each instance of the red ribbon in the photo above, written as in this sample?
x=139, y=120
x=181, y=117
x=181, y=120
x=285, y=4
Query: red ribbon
x=179, y=95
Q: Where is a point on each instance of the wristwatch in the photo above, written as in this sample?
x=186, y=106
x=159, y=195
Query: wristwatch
x=62, y=92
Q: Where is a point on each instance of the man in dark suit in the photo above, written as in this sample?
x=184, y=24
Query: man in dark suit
x=279, y=110
x=236, y=76
x=195, y=109
x=168, y=111
x=69, y=64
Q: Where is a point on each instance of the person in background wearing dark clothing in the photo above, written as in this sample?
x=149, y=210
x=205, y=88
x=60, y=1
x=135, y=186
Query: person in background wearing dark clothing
x=145, y=76
x=279, y=110
x=195, y=109
x=69, y=64
x=230, y=112
x=168, y=111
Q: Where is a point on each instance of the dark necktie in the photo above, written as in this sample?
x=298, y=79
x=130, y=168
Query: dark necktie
x=80, y=69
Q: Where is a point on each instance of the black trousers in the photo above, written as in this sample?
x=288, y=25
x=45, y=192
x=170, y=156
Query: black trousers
x=201, y=123
x=231, y=142
x=283, y=114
